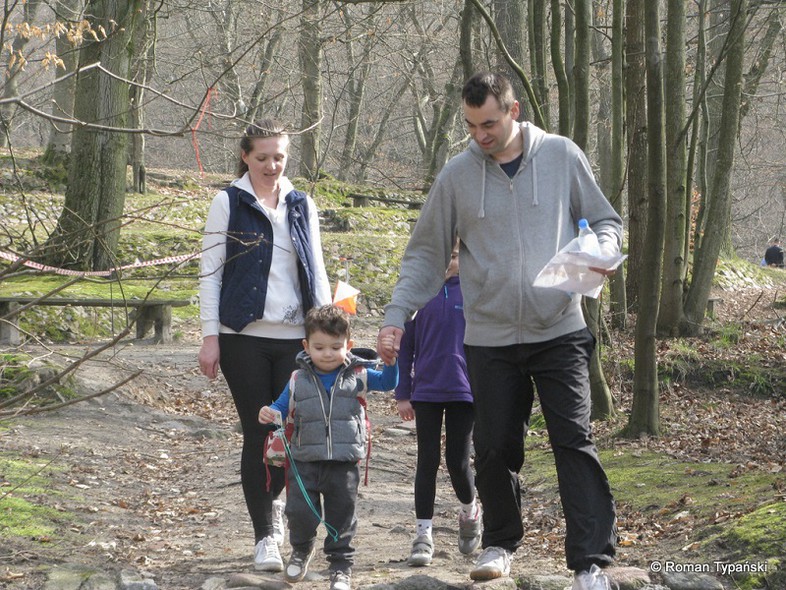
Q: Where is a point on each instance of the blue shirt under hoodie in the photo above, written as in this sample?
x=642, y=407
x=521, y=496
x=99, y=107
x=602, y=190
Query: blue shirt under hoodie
x=431, y=360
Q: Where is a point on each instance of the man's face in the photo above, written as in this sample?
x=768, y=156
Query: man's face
x=491, y=128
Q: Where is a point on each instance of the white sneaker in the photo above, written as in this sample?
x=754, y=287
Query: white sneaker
x=267, y=557
x=494, y=562
x=279, y=529
x=341, y=580
x=593, y=579
x=422, y=551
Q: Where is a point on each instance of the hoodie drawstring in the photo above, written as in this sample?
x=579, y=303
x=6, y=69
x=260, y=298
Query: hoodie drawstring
x=482, y=210
x=534, y=182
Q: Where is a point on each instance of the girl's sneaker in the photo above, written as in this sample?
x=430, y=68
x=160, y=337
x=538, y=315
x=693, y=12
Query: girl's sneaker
x=422, y=551
x=470, y=531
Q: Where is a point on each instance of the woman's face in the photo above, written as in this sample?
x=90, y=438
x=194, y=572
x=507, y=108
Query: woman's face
x=267, y=160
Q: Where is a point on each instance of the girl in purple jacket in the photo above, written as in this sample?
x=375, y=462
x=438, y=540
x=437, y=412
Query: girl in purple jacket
x=433, y=383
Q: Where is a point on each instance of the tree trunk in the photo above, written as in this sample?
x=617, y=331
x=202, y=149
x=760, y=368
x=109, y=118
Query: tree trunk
x=359, y=68
x=719, y=206
x=144, y=46
x=619, y=301
x=88, y=229
x=645, y=410
x=602, y=405
x=636, y=125
x=537, y=41
x=58, y=147
x=15, y=67
x=310, y=57
x=581, y=72
x=673, y=287
x=563, y=87
x=510, y=19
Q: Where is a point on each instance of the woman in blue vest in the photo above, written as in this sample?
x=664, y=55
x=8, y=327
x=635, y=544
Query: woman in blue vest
x=261, y=271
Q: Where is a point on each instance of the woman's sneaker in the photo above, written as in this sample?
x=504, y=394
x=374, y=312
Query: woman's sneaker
x=422, y=551
x=279, y=529
x=298, y=565
x=592, y=579
x=470, y=531
x=493, y=563
x=266, y=556
x=341, y=580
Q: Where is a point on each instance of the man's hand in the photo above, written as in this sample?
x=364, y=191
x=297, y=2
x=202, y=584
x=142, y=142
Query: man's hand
x=388, y=343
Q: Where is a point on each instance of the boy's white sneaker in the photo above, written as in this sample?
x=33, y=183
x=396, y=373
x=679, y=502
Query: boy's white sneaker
x=493, y=563
x=266, y=556
x=592, y=579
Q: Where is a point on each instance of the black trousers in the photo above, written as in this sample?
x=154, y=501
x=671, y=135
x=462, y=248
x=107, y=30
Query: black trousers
x=331, y=489
x=256, y=370
x=459, y=417
x=504, y=380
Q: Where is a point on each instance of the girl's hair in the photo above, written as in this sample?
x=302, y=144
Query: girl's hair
x=261, y=128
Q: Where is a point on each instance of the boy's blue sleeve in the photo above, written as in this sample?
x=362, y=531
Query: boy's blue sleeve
x=282, y=403
x=384, y=380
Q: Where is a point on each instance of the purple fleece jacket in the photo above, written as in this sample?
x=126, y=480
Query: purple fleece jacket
x=431, y=360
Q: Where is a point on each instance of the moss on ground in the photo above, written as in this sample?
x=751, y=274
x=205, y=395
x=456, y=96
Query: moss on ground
x=21, y=481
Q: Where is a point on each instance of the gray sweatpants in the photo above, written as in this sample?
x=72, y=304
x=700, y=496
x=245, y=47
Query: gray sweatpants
x=331, y=492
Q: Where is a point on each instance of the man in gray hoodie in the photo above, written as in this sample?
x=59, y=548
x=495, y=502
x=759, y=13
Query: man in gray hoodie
x=514, y=198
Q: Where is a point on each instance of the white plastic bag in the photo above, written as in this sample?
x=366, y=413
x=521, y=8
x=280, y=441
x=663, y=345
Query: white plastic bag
x=569, y=269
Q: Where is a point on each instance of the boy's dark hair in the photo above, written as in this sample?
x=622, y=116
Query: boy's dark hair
x=328, y=319
x=260, y=128
x=481, y=85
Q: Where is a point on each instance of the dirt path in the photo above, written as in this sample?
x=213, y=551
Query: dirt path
x=151, y=476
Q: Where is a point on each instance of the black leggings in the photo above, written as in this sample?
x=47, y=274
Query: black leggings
x=256, y=370
x=459, y=418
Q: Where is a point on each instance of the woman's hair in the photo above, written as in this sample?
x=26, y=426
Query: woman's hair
x=480, y=86
x=259, y=129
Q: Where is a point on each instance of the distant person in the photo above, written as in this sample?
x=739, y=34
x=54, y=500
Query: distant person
x=515, y=197
x=261, y=271
x=323, y=402
x=433, y=384
x=773, y=256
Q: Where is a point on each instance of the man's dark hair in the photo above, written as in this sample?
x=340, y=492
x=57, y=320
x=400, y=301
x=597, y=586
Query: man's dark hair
x=481, y=85
x=328, y=319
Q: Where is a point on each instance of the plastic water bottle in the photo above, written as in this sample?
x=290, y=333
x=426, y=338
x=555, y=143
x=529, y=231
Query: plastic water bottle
x=588, y=241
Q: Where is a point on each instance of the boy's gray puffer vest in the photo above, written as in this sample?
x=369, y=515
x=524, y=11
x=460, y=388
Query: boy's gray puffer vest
x=328, y=427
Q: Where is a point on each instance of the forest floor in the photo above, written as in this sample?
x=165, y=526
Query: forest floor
x=146, y=478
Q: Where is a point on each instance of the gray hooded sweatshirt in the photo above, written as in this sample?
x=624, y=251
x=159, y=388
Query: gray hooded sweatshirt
x=509, y=229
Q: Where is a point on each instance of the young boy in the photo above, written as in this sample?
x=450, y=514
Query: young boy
x=322, y=401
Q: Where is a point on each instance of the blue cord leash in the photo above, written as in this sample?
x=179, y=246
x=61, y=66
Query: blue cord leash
x=279, y=432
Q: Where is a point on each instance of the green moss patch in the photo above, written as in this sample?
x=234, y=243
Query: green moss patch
x=21, y=481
